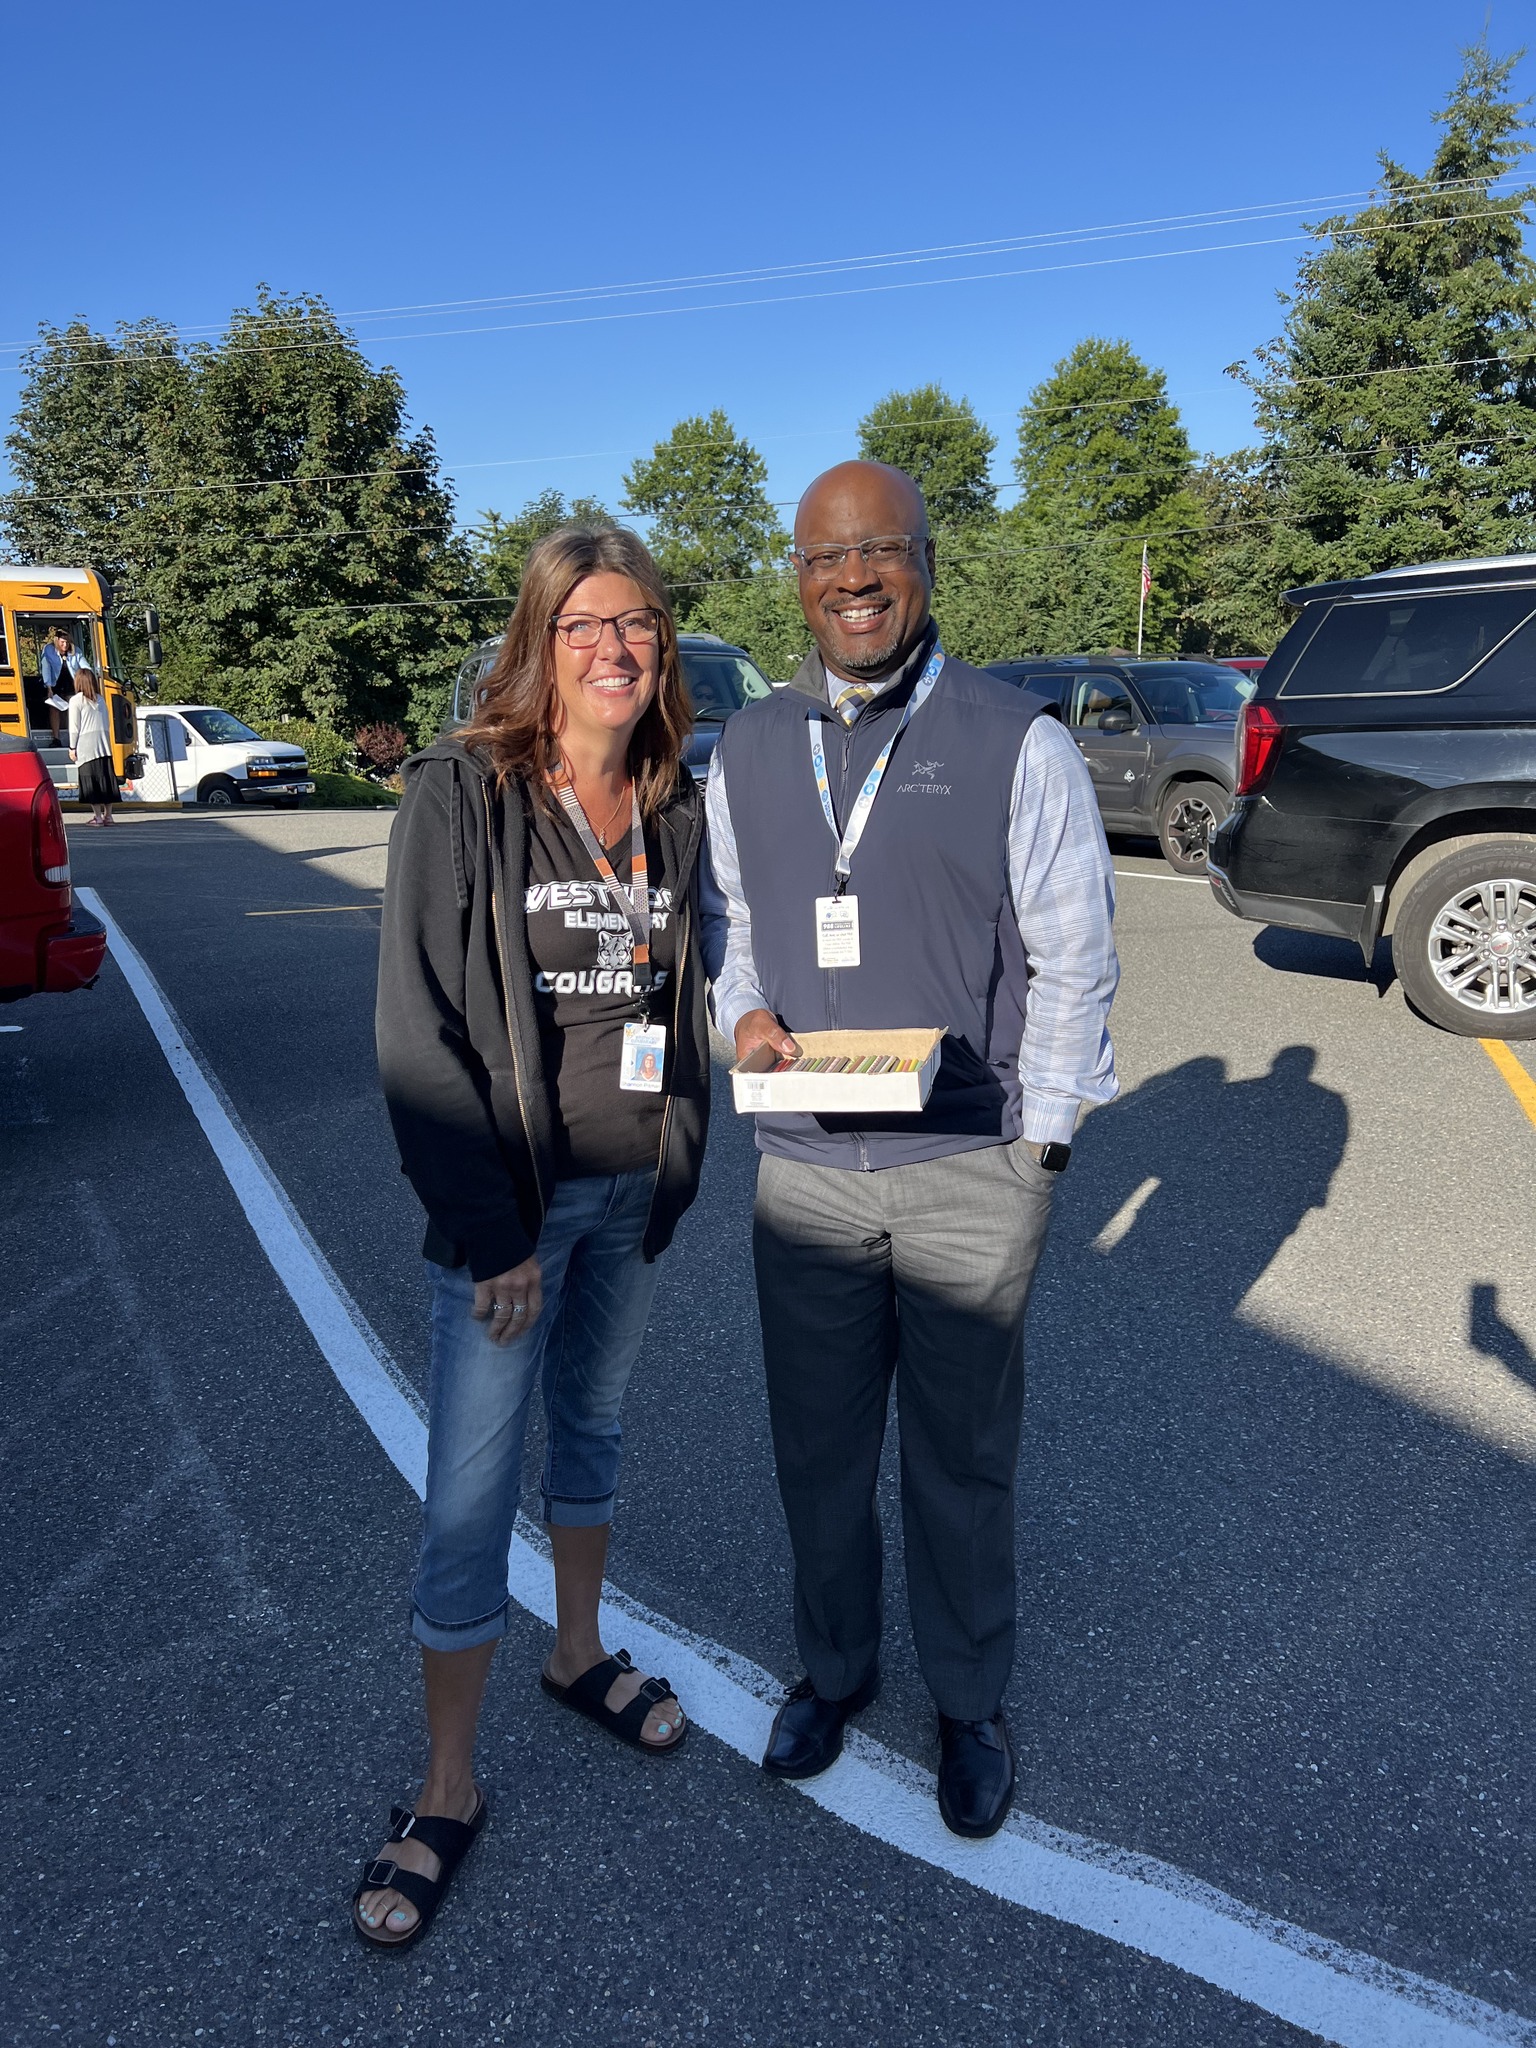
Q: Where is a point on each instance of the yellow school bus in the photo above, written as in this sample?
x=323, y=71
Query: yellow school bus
x=35, y=603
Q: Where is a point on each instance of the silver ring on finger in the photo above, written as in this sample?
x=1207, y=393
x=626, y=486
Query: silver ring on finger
x=519, y=1308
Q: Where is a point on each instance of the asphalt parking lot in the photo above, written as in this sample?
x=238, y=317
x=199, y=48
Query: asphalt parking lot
x=1275, y=1535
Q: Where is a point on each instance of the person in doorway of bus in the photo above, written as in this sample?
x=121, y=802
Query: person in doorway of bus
x=539, y=942
x=90, y=747
x=56, y=666
x=904, y=840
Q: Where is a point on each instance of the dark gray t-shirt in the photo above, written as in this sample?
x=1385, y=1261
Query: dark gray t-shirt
x=583, y=988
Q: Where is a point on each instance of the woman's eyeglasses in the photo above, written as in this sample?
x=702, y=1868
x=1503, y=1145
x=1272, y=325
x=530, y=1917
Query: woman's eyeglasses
x=635, y=629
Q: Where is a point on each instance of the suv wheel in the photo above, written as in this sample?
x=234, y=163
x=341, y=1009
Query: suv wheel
x=219, y=793
x=1464, y=942
x=1187, y=821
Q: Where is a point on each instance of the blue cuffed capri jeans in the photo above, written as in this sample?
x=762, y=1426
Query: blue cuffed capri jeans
x=597, y=1297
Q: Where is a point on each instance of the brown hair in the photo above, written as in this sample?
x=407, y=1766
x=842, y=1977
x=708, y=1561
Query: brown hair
x=517, y=704
x=87, y=685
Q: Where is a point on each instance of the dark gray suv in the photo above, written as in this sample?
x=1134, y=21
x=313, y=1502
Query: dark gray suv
x=1159, y=738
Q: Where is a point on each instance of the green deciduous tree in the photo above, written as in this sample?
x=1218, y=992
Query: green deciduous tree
x=267, y=496
x=702, y=490
x=762, y=613
x=942, y=446
x=1398, y=408
x=501, y=545
x=1105, y=464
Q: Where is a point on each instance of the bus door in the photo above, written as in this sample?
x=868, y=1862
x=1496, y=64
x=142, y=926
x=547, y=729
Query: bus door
x=35, y=630
x=167, y=775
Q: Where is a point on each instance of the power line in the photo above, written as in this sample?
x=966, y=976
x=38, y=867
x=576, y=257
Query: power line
x=276, y=537
x=25, y=497
x=793, y=298
x=1206, y=217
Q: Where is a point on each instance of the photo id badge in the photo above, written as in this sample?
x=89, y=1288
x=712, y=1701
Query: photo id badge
x=837, y=931
x=643, y=1058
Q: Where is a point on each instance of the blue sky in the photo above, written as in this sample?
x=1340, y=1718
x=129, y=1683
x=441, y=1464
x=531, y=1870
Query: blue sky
x=397, y=155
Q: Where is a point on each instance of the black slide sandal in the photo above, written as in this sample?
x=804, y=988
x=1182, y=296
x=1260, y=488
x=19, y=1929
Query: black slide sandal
x=450, y=1842
x=588, y=1695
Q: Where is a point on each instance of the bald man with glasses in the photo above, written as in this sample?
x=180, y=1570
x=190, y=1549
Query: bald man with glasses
x=955, y=814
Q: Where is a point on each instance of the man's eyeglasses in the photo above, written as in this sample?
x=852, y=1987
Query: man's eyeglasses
x=635, y=629
x=885, y=551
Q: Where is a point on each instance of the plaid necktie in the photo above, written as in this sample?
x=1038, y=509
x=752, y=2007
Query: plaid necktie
x=851, y=699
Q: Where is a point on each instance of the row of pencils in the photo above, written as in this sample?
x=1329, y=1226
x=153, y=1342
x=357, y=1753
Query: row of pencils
x=872, y=1063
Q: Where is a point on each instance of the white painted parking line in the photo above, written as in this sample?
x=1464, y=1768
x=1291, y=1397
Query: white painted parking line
x=1146, y=875
x=1119, y=1224
x=1343, y=1995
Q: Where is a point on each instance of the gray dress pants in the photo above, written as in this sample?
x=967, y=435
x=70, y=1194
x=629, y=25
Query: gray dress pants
x=922, y=1271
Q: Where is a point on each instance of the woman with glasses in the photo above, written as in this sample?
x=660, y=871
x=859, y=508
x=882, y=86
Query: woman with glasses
x=545, y=1058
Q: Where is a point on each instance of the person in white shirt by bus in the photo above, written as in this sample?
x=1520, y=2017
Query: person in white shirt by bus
x=89, y=747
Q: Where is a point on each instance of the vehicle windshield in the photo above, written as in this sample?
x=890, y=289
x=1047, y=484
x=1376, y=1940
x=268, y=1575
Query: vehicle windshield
x=1193, y=692
x=721, y=683
x=219, y=728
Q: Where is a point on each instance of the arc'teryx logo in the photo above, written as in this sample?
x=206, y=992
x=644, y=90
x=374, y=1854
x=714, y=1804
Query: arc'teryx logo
x=924, y=784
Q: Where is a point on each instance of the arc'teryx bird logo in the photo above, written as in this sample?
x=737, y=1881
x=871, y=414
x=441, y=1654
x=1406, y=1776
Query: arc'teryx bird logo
x=923, y=783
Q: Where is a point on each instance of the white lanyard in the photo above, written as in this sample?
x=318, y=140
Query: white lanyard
x=864, y=803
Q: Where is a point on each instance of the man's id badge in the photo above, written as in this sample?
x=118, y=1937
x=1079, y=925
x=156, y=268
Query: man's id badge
x=643, y=1058
x=837, y=931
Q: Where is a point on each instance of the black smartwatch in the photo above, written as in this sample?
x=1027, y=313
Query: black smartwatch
x=1054, y=1157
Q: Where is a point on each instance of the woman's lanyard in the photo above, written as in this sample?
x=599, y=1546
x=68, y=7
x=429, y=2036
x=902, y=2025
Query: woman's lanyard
x=635, y=901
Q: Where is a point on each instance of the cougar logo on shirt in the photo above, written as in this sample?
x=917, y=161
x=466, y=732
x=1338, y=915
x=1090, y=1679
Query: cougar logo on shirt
x=597, y=908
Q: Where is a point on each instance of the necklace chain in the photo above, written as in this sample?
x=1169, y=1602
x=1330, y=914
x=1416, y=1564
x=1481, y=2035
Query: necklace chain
x=603, y=835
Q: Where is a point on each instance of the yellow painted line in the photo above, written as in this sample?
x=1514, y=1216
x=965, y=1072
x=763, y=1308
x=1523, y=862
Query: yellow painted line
x=1521, y=1086
x=315, y=910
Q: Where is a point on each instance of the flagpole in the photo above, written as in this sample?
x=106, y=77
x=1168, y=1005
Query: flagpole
x=1141, y=609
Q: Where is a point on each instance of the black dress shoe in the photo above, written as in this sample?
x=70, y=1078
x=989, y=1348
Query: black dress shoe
x=975, y=1775
x=807, y=1733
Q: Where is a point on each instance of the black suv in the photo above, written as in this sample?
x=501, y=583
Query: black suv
x=1387, y=784
x=1158, y=737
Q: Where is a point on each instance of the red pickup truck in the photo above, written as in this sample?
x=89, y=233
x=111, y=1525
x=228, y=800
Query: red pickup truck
x=46, y=943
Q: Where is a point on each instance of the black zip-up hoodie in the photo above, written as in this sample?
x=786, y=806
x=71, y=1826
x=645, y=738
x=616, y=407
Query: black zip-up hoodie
x=458, y=1034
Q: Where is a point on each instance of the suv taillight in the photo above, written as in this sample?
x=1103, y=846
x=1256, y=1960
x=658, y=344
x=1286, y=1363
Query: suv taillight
x=50, y=849
x=1259, y=733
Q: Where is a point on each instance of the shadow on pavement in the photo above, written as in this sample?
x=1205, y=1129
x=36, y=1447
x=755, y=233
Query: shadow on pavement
x=1488, y=1332
x=1314, y=953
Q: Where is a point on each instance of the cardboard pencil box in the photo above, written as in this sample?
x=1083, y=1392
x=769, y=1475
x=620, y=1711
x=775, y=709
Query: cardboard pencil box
x=842, y=1073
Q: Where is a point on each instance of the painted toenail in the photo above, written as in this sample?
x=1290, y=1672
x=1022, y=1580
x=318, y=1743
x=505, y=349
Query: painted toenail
x=663, y=1727
x=369, y=1921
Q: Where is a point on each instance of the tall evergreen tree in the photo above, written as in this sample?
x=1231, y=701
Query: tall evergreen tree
x=1105, y=464
x=270, y=500
x=1234, y=606
x=942, y=446
x=1398, y=408
x=702, y=489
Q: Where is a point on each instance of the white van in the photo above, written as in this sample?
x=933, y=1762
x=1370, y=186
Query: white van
x=202, y=754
